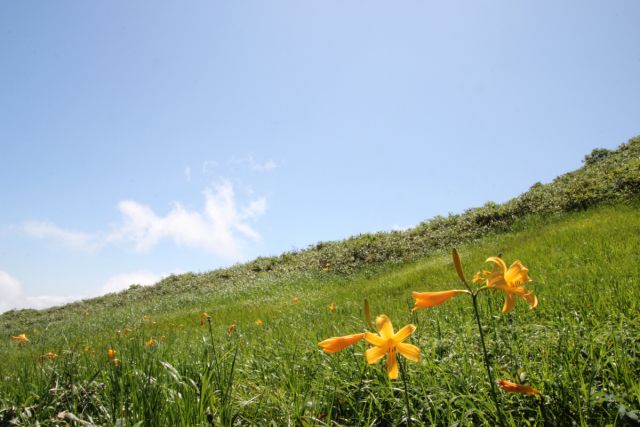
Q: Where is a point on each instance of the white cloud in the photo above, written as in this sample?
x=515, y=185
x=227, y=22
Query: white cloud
x=13, y=296
x=120, y=282
x=221, y=228
x=187, y=173
x=73, y=239
x=254, y=165
x=208, y=166
x=10, y=288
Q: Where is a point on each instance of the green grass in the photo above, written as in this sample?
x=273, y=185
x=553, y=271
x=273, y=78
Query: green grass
x=580, y=348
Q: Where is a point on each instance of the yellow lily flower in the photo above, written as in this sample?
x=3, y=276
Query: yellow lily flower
x=22, y=338
x=295, y=300
x=511, y=281
x=259, y=322
x=335, y=344
x=512, y=387
x=431, y=299
x=151, y=342
x=389, y=342
x=333, y=307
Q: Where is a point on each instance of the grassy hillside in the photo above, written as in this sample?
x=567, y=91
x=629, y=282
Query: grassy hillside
x=580, y=347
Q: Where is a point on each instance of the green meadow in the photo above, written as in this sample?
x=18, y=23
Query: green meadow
x=580, y=348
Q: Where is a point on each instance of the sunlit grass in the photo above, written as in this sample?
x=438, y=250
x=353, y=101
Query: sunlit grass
x=580, y=348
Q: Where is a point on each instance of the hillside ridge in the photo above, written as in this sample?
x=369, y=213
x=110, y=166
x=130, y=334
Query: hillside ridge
x=606, y=177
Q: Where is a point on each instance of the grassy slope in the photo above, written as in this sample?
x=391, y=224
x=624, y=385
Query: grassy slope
x=580, y=347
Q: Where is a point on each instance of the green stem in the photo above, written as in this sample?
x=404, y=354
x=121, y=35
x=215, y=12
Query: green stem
x=406, y=390
x=486, y=360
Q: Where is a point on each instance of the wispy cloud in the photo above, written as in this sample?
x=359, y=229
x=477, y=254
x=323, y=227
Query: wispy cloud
x=13, y=296
x=74, y=239
x=222, y=228
x=13, y=292
x=209, y=166
x=252, y=164
x=187, y=173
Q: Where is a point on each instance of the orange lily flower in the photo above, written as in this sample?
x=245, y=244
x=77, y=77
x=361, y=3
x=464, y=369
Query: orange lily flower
x=296, y=300
x=111, y=353
x=259, y=322
x=115, y=362
x=431, y=299
x=230, y=329
x=335, y=344
x=22, y=338
x=389, y=342
x=151, y=342
x=50, y=355
x=203, y=318
x=511, y=281
x=511, y=387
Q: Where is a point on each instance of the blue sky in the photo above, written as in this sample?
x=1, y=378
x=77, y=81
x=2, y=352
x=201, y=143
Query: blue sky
x=139, y=139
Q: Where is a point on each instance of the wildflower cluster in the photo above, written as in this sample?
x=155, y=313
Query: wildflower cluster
x=388, y=343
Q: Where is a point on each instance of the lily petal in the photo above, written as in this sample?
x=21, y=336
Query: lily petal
x=531, y=299
x=335, y=344
x=511, y=387
x=385, y=327
x=392, y=365
x=509, y=302
x=376, y=340
x=403, y=333
x=431, y=299
x=409, y=351
x=517, y=274
x=374, y=354
x=499, y=262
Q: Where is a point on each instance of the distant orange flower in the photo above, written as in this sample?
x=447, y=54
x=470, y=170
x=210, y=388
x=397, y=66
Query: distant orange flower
x=326, y=267
x=50, y=356
x=203, y=318
x=85, y=348
x=296, y=300
x=332, y=345
x=163, y=338
x=230, y=329
x=259, y=322
x=126, y=331
x=511, y=387
x=431, y=299
x=22, y=338
x=151, y=342
x=333, y=307
x=111, y=353
x=115, y=362
x=146, y=317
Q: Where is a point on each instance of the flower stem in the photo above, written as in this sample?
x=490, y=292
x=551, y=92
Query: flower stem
x=406, y=391
x=474, y=297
